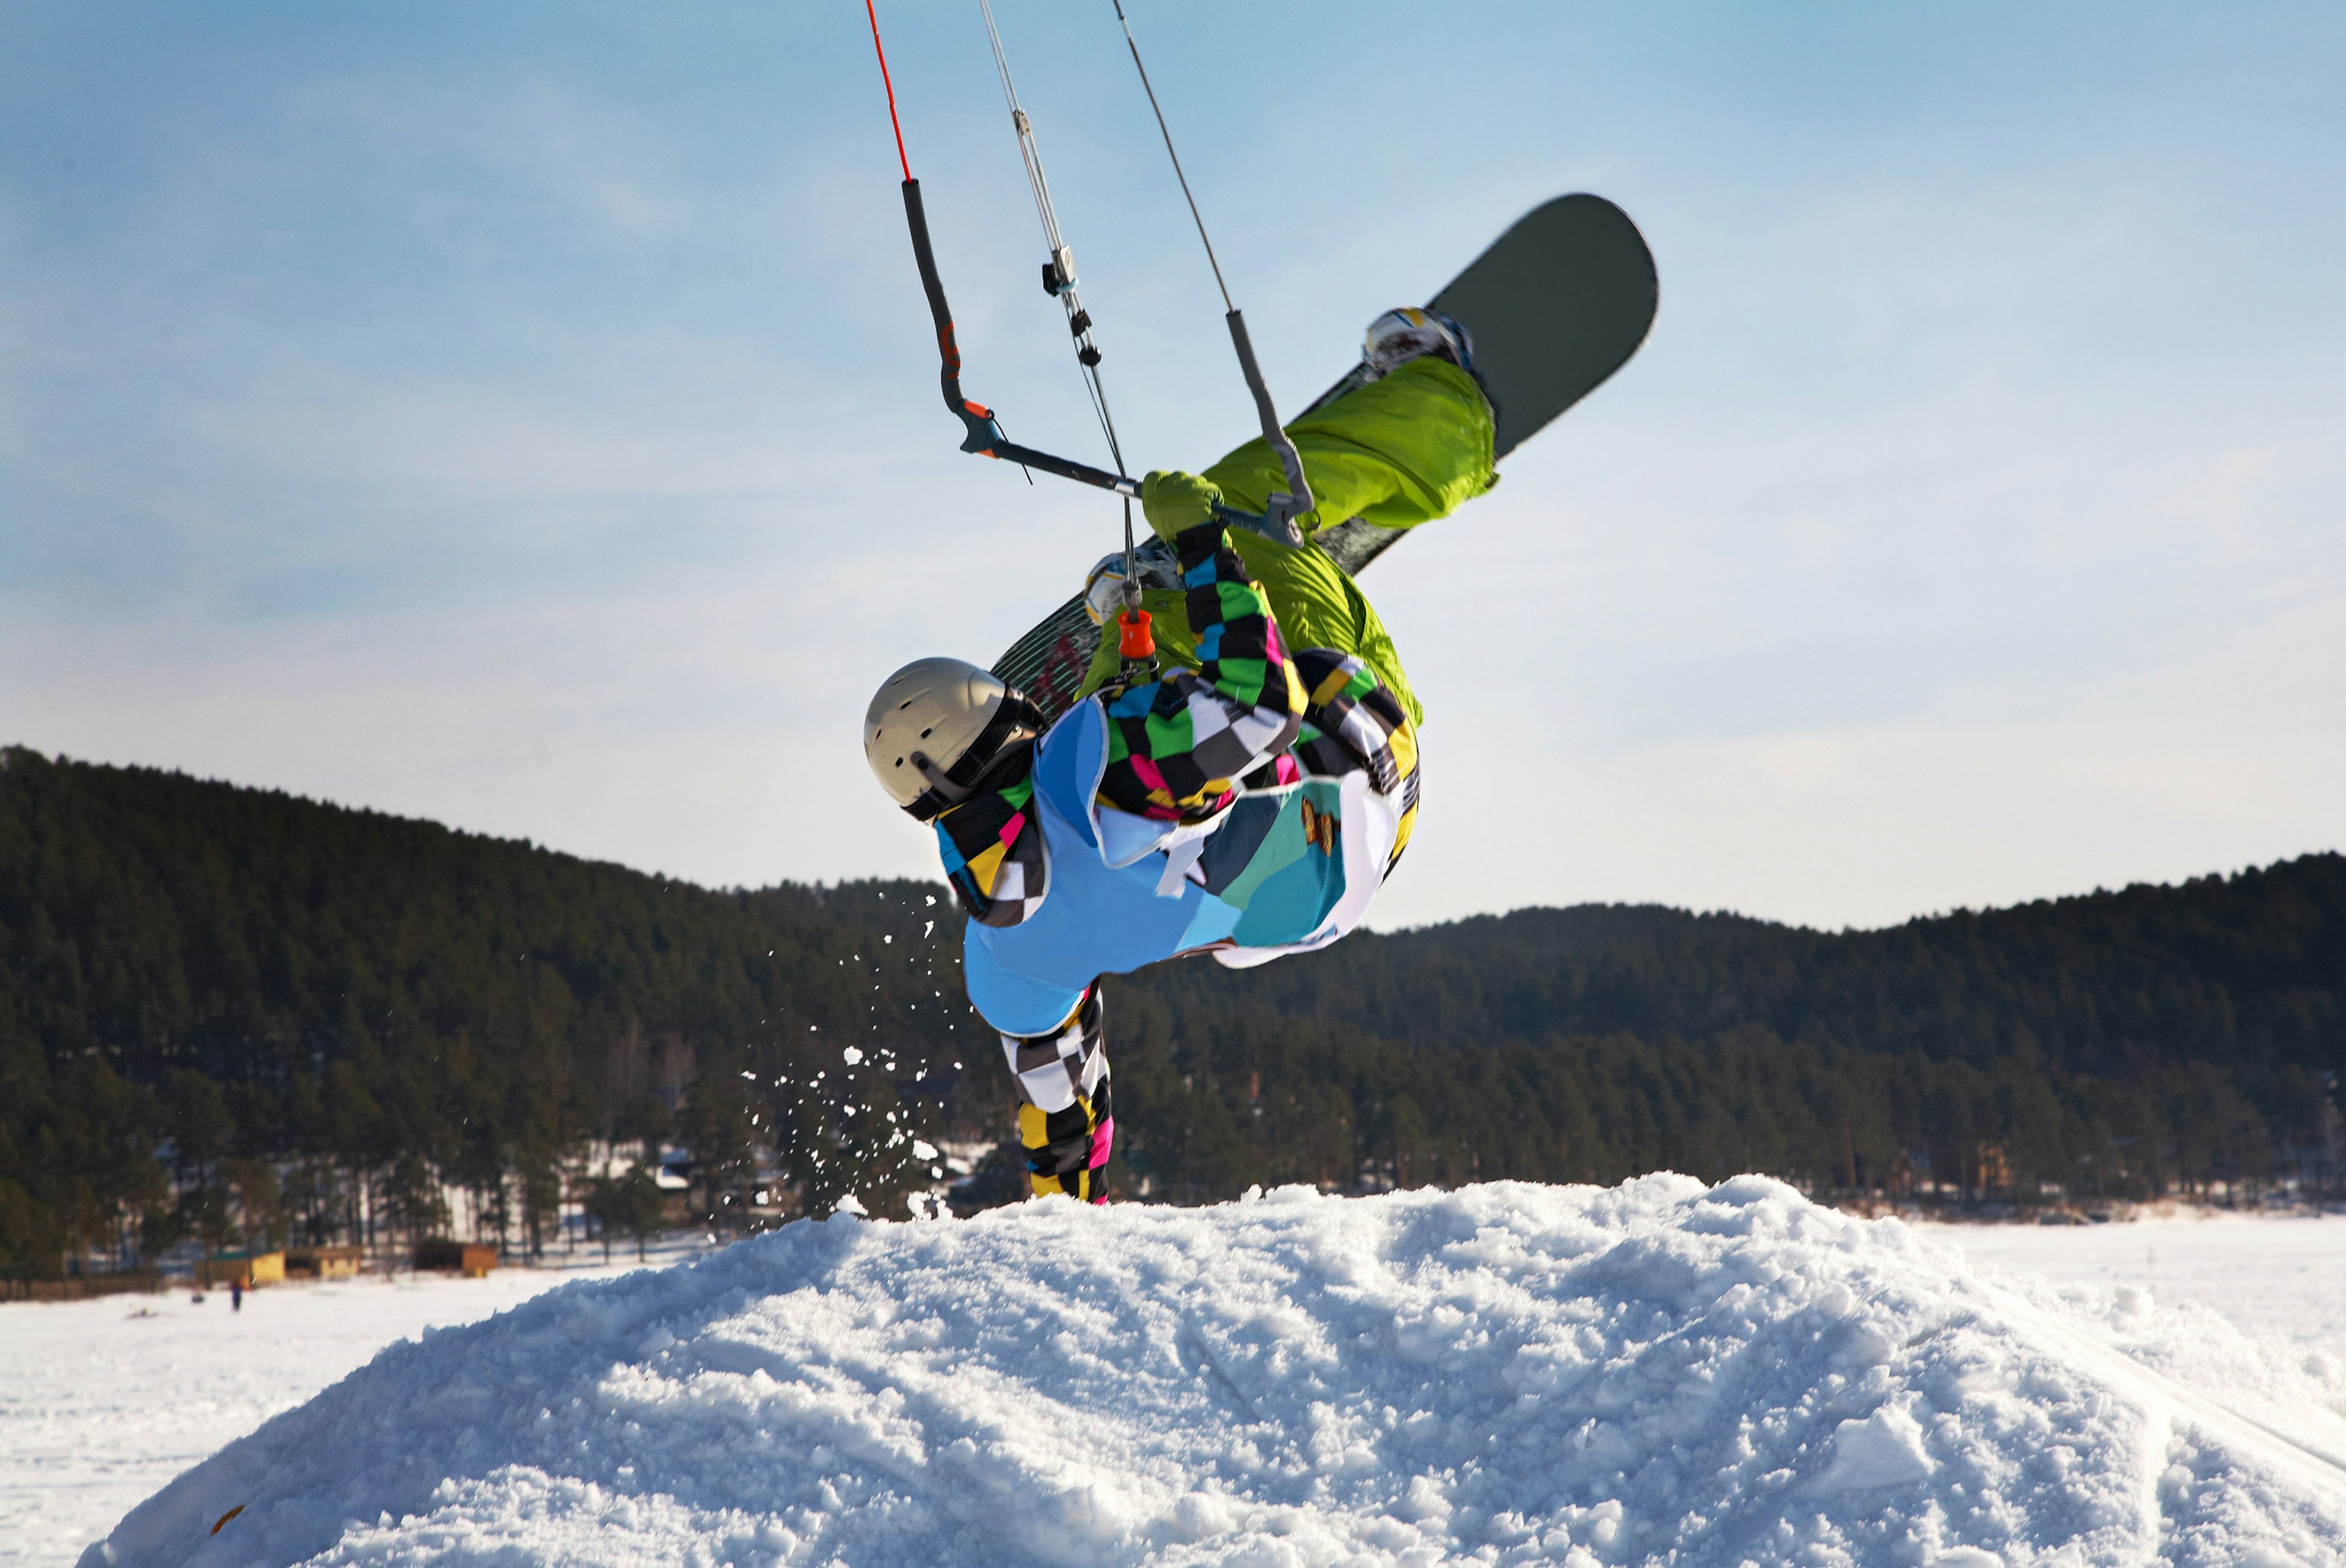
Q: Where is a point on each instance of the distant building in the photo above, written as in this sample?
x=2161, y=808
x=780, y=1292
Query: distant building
x=248, y=1269
x=323, y=1262
x=469, y=1258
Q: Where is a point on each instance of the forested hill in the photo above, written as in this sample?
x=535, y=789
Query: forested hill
x=2248, y=970
x=160, y=922
x=256, y=982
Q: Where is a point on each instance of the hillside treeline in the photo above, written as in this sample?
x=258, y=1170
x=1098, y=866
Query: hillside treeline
x=227, y=1014
x=232, y=1015
x=2117, y=1045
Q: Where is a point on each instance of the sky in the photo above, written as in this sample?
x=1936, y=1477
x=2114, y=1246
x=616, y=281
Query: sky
x=526, y=417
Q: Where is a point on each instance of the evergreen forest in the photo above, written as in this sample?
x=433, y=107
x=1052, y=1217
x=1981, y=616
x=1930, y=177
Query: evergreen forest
x=233, y=1017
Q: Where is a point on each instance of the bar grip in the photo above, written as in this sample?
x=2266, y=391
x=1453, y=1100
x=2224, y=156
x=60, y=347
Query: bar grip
x=1282, y=510
x=981, y=434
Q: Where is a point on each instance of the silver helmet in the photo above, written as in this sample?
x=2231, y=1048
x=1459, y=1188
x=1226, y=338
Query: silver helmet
x=936, y=728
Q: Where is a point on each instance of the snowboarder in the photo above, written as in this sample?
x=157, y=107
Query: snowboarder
x=1246, y=798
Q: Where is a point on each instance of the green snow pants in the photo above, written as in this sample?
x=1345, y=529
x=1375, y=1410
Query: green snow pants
x=1396, y=453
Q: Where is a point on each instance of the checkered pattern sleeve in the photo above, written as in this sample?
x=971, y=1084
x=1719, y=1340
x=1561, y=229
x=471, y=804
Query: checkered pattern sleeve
x=1353, y=723
x=993, y=852
x=1176, y=745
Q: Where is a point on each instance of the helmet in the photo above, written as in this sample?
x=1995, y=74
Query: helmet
x=1407, y=333
x=936, y=728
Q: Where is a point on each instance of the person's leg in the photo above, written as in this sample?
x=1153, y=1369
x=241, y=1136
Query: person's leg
x=1400, y=451
x=1397, y=452
x=1065, y=1121
x=1317, y=605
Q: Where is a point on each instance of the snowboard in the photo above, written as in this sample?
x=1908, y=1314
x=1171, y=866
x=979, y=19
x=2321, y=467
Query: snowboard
x=1556, y=305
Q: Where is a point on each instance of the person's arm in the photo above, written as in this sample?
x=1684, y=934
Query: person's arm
x=993, y=852
x=1178, y=744
x=1352, y=721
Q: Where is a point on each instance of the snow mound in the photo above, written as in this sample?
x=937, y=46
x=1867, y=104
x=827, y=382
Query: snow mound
x=1658, y=1371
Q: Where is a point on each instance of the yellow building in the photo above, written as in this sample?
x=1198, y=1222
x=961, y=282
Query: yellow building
x=251, y=1269
x=325, y=1262
x=469, y=1258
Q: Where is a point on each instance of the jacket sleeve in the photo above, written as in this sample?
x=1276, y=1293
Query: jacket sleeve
x=993, y=853
x=1176, y=745
x=1353, y=723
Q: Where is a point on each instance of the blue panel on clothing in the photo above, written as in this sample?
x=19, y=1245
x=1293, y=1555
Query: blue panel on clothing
x=1068, y=765
x=1228, y=852
x=1095, y=920
x=1290, y=904
x=950, y=851
x=1291, y=880
x=1012, y=1003
x=1213, y=921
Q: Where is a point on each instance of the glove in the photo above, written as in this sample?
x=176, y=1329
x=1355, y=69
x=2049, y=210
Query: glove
x=1176, y=503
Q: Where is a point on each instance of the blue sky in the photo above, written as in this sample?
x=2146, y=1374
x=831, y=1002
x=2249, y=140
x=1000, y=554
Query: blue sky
x=524, y=416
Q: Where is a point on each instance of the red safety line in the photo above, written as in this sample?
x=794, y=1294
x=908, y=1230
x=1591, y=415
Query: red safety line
x=892, y=90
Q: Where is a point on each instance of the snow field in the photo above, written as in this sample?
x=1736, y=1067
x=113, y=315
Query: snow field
x=102, y=1401
x=1506, y=1374
x=2279, y=1276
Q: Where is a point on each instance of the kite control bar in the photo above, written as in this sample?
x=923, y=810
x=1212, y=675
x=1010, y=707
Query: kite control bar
x=983, y=435
x=982, y=432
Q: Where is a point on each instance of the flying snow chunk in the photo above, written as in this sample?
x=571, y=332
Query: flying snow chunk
x=851, y=1055
x=1657, y=1372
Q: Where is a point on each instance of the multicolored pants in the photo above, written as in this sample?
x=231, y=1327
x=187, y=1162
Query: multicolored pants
x=1065, y=1121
